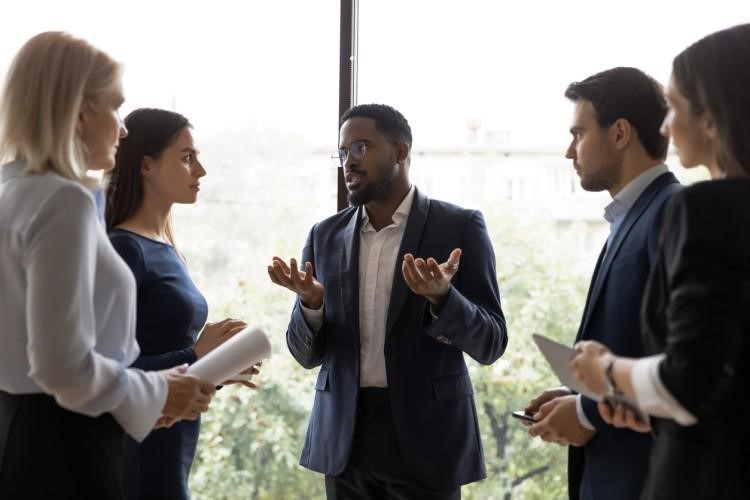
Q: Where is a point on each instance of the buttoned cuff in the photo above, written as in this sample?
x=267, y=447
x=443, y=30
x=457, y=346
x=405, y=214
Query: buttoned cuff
x=651, y=394
x=313, y=317
x=582, y=419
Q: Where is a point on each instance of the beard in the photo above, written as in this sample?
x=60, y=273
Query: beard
x=363, y=196
x=376, y=190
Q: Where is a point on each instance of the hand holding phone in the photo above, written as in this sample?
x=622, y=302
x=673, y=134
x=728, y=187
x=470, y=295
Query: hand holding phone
x=524, y=417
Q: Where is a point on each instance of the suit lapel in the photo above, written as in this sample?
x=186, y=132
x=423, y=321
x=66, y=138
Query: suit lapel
x=349, y=272
x=409, y=244
x=589, y=303
x=635, y=212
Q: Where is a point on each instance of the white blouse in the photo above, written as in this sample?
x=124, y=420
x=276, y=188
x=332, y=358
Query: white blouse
x=67, y=305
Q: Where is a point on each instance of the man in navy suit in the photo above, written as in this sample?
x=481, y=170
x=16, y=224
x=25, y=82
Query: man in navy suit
x=394, y=415
x=617, y=147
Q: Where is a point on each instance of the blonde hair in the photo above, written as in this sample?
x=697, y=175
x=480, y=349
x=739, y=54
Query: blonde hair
x=51, y=78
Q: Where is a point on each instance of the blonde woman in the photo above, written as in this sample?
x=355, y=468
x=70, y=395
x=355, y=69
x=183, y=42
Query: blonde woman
x=68, y=299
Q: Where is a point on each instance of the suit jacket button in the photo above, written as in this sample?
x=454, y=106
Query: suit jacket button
x=308, y=342
x=444, y=339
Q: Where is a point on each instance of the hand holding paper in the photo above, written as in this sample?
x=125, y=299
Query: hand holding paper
x=232, y=357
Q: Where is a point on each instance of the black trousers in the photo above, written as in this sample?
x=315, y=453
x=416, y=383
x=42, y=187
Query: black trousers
x=376, y=468
x=47, y=452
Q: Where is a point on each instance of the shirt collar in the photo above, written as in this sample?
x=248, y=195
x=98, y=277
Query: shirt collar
x=626, y=197
x=11, y=169
x=399, y=216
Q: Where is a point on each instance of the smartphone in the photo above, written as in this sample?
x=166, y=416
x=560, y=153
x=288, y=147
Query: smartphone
x=522, y=415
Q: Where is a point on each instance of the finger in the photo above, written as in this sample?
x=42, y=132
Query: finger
x=281, y=264
x=308, y=273
x=294, y=275
x=620, y=419
x=533, y=430
x=450, y=266
x=435, y=270
x=422, y=271
x=605, y=411
x=282, y=276
x=248, y=384
x=272, y=275
x=407, y=269
x=206, y=388
x=234, y=329
x=546, y=408
x=231, y=325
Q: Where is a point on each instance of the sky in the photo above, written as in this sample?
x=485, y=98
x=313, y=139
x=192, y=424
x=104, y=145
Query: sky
x=499, y=66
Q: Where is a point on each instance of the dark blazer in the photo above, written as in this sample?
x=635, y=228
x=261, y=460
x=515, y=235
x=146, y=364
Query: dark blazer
x=697, y=311
x=614, y=463
x=429, y=388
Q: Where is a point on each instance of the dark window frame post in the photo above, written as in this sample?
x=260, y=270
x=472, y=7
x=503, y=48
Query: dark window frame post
x=348, y=35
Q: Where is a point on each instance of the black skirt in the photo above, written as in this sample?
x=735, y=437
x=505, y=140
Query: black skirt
x=48, y=452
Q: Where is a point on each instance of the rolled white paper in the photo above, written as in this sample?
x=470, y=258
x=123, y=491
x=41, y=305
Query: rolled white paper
x=232, y=357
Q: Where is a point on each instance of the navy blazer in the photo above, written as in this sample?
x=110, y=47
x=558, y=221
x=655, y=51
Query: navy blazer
x=614, y=463
x=430, y=392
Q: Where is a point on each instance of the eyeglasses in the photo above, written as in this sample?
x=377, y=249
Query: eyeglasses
x=357, y=150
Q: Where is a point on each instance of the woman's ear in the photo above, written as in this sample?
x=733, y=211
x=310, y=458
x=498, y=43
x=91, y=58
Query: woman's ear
x=147, y=166
x=80, y=122
x=709, y=126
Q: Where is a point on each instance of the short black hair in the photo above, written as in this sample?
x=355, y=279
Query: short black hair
x=631, y=94
x=388, y=121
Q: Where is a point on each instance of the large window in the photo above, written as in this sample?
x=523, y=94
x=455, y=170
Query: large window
x=481, y=83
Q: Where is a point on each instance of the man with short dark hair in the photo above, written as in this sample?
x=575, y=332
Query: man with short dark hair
x=394, y=415
x=616, y=146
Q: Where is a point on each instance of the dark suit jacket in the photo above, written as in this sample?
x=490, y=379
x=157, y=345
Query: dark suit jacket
x=697, y=311
x=614, y=463
x=428, y=384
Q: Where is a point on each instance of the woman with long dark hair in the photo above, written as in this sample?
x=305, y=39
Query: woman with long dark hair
x=157, y=166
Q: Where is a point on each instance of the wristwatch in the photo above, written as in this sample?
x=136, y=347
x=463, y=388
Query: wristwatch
x=612, y=389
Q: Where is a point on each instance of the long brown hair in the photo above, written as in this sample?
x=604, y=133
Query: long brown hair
x=150, y=132
x=714, y=76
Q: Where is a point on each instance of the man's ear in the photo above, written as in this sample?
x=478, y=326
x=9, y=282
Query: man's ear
x=623, y=133
x=402, y=153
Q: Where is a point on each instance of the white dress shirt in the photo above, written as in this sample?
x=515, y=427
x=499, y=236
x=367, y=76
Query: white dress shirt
x=378, y=251
x=651, y=395
x=67, y=305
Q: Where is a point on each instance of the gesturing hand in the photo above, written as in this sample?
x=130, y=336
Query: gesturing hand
x=430, y=279
x=303, y=283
